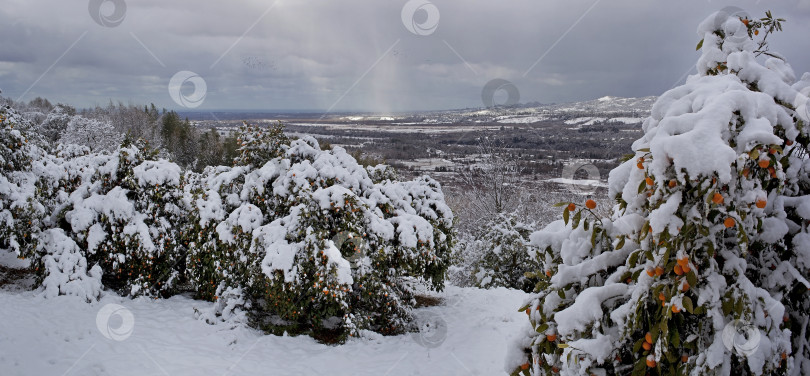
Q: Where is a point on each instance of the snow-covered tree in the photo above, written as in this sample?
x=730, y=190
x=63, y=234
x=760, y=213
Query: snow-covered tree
x=96, y=134
x=56, y=122
x=708, y=237
x=504, y=254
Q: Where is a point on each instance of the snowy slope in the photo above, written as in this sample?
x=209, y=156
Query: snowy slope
x=60, y=337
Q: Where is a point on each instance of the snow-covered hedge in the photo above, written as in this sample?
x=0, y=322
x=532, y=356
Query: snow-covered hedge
x=302, y=239
x=312, y=240
x=702, y=267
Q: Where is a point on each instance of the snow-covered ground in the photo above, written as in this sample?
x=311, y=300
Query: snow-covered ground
x=61, y=336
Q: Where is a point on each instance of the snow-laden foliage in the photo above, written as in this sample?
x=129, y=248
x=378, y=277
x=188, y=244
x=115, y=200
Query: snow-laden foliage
x=293, y=237
x=96, y=134
x=20, y=212
x=701, y=267
x=66, y=269
x=504, y=254
x=312, y=241
x=122, y=209
x=56, y=122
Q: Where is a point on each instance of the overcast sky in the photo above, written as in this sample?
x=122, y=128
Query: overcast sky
x=359, y=54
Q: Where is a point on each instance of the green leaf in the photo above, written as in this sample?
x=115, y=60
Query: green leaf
x=637, y=345
x=621, y=243
x=593, y=237
x=642, y=186
x=575, y=220
x=643, y=150
x=687, y=303
x=675, y=338
x=699, y=45
x=640, y=367
x=633, y=257
x=727, y=306
x=566, y=214
x=691, y=278
x=541, y=328
x=561, y=294
x=560, y=204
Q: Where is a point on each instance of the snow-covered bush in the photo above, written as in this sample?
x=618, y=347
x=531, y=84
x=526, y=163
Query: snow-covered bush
x=20, y=213
x=127, y=218
x=313, y=242
x=708, y=236
x=504, y=254
x=303, y=239
x=65, y=267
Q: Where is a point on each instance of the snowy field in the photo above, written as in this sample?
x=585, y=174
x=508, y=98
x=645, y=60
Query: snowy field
x=60, y=336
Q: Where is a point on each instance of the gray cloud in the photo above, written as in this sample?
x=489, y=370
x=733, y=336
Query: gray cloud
x=307, y=54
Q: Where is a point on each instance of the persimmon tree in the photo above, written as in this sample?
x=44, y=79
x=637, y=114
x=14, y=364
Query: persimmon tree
x=701, y=268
